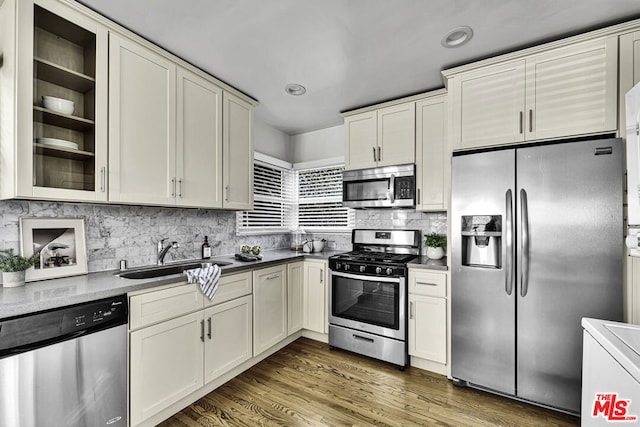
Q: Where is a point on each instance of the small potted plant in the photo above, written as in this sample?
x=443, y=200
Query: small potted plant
x=13, y=267
x=436, y=245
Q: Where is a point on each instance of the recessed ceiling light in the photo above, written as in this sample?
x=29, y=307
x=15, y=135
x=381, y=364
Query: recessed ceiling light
x=295, y=89
x=457, y=37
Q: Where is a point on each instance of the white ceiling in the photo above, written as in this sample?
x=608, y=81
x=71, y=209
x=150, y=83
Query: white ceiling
x=347, y=53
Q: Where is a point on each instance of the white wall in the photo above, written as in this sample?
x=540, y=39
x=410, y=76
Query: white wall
x=317, y=145
x=271, y=141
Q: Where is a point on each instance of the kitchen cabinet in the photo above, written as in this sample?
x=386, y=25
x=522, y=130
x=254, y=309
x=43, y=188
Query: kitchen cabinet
x=51, y=49
x=142, y=124
x=433, y=154
x=166, y=362
x=199, y=145
x=315, y=302
x=269, y=307
x=165, y=130
x=228, y=340
x=566, y=91
x=381, y=137
x=237, y=152
x=428, y=315
x=179, y=342
x=295, y=285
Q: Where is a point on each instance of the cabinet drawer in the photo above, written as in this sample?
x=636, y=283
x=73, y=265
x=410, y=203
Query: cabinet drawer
x=157, y=306
x=428, y=283
x=231, y=287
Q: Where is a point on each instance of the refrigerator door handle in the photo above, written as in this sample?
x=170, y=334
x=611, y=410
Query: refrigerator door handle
x=524, y=222
x=508, y=279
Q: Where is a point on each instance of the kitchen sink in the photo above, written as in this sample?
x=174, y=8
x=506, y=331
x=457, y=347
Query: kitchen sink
x=166, y=270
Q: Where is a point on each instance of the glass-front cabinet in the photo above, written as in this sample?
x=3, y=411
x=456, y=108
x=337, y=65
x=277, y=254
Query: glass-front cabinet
x=61, y=135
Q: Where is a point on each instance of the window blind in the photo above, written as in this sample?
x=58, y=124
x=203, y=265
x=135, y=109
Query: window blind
x=320, y=201
x=273, y=195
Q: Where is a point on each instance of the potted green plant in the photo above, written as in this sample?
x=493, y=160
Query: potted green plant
x=13, y=267
x=436, y=245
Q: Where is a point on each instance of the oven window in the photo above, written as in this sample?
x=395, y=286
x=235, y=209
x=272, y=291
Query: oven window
x=367, y=301
x=366, y=190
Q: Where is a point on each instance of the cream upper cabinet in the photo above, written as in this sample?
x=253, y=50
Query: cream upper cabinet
x=487, y=106
x=566, y=91
x=573, y=90
x=295, y=284
x=269, y=307
x=199, y=142
x=50, y=49
x=433, y=154
x=237, y=152
x=315, y=296
x=166, y=131
x=380, y=137
x=142, y=124
x=228, y=336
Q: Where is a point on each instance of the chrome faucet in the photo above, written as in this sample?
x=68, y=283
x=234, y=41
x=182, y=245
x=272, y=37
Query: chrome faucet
x=162, y=250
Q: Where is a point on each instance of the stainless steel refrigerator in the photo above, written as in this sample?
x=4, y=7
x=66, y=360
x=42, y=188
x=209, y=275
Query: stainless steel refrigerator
x=537, y=244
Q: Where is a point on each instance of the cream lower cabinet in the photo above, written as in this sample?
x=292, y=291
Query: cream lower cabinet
x=228, y=338
x=269, y=307
x=428, y=315
x=295, y=284
x=565, y=91
x=166, y=363
x=433, y=154
x=179, y=342
x=315, y=296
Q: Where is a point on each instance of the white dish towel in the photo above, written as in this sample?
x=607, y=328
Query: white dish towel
x=208, y=278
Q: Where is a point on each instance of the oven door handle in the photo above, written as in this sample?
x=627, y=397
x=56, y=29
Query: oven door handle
x=363, y=277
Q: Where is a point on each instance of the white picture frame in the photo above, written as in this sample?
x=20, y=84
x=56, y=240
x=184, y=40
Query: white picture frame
x=61, y=244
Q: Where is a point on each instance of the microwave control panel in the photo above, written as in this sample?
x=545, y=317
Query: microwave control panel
x=404, y=187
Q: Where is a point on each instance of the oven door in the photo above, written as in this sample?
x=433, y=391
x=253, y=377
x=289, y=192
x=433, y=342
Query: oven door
x=368, y=303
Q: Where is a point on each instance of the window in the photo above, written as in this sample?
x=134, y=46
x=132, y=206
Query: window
x=320, y=200
x=284, y=200
x=272, y=201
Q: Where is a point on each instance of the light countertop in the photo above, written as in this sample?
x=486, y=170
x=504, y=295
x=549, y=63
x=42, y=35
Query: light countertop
x=54, y=293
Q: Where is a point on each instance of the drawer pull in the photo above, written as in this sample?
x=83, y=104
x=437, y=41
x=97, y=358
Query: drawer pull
x=426, y=284
x=360, y=337
x=275, y=276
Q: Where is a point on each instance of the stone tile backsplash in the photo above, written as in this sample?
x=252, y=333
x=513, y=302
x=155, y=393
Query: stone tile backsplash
x=115, y=232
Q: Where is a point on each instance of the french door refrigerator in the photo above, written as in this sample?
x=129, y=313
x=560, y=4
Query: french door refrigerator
x=537, y=241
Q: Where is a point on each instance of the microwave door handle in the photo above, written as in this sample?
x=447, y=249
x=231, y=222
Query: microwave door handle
x=392, y=189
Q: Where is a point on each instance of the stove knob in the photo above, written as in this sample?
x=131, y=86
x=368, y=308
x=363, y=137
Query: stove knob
x=362, y=268
x=338, y=266
x=389, y=271
x=346, y=267
x=378, y=270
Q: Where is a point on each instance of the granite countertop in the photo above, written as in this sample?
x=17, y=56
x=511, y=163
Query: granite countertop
x=428, y=263
x=53, y=293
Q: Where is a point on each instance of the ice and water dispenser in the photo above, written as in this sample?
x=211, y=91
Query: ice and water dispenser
x=482, y=241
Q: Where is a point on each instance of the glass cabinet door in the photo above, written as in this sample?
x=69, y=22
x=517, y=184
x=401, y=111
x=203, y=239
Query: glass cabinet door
x=69, y=149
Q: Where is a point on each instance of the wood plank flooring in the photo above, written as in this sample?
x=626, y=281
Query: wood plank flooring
x=306, y=384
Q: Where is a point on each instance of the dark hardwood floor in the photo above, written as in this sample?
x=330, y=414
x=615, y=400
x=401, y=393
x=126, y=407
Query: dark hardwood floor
x=306, y=384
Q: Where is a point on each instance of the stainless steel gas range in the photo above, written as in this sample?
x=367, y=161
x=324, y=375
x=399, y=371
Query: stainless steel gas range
x=368, y=294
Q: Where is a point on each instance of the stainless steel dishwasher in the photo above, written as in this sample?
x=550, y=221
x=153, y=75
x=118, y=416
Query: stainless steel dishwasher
x=65, y=367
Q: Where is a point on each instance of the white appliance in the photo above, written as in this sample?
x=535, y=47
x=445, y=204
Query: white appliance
x=632, y=101
x=610, y=373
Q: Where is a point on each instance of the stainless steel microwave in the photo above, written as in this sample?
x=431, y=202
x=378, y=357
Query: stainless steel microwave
x=383, y=187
